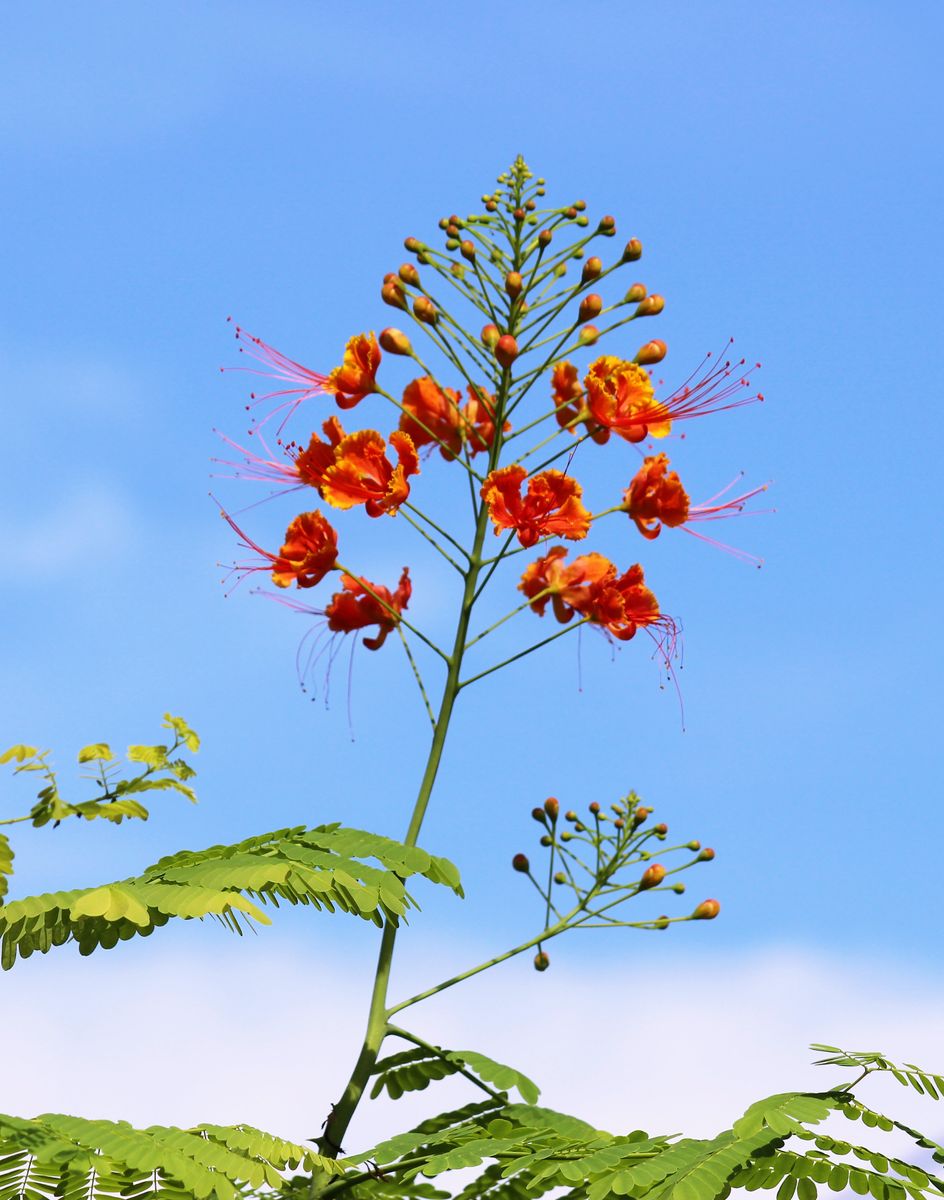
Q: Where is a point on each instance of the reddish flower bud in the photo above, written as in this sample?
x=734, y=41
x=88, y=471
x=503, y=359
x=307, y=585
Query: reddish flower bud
x=651, y=306
x=590, y=306
x=544, y=237
x=706, y=911
x=607, y=226
x=570, y=213
x=652, y=352
x=506, y=350
x=394, y=341
x=520, y=863
x=539, y=815
x=392, y=293
x=490, y=335
x=530, y=206
x=619, y=822
x=552, y=807
x=662, y=829
x=652, y=877
x=513, y=284
x=519, y=214
x=425, y=310
x=591, y=269
x=636, y=293
x=409, y=274
x=412, y=244
x=467, y=250
x=594, y=807
x=541, y=961
x=490, y=206
x=589, y=335
x=706, y=855
x=633, y=250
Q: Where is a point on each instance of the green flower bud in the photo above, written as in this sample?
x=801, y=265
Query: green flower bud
x=560, y=877
x=547, y=840
x=678, y=888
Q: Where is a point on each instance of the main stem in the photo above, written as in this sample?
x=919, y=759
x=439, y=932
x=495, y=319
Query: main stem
x=336, y=1126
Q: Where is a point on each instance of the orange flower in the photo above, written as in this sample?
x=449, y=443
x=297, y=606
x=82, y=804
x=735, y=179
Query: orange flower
x=363, y=603
x=570, y=587
x=312, y=462
x=570, y=403
x=621, y=605
x=362, y=474
x=431, y=416
x=356, y=376
x=478, y=420
x=656, y=497
x=310, y=551
x=621, y=397
x=551, y=505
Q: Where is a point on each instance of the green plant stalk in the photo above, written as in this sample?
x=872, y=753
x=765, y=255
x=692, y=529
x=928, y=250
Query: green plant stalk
x=339, y=1119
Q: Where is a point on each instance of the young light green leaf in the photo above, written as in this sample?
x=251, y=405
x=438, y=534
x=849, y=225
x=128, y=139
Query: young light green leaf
x=96, y=752
x=183, y=731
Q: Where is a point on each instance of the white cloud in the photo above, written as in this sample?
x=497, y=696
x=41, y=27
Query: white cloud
x=83, y=529
x=684, y=1046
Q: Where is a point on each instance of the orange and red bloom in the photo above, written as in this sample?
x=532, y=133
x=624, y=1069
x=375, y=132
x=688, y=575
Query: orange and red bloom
x=309, y=552
x=551, y=507
x=357, y=375
x=620, y=397
x=350, y=469
x=363, y=603
x=570, y=403
x=434, y=416
x=591, y=587
x=656, y=497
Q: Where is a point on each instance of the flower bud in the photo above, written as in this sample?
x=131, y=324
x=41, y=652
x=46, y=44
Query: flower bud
x=661, y=922
x=582, y=221
x=607, y=226
x=567, y=836
x=490, y=335
x=552, y=807
x=594, y=807
x=589, y=335
x=579, y=827
x=530, y=206
x=570, y=213
x=425, y=310
x=467, y=250
x=661, y=829
x=409, y=274
x=651, y=306
x=490, y=206
x=706, y=911
x=412, y=244
x=652, y=352
x=544, y=237
x=678, y=888
x=519, y=214
x=541, y=961
x=513, y=284
x=619, y=822
x=452, y=231
x=538, y=815
x=636, y=293
x=394, y=341
x=693, y=845
x=706, y=855
x=560, y=877
x=591, y=269
x=457, y=269
x=506, y=350
x=652, y=877
x=618, y=809
x=443, y=222
x=590, y=306
x=546, y=840
x=570, y=815
x=633, y=250
x=452, y=243
x=520, y=863
x=392, y=293
x=580, y=205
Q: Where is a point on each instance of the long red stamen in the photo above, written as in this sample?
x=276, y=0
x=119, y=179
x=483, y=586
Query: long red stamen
x=307, y=383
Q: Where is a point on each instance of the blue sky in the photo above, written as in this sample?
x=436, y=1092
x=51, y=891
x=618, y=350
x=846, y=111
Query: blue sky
x=170, y=166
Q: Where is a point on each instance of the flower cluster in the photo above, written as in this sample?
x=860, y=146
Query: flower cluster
x=504, y=264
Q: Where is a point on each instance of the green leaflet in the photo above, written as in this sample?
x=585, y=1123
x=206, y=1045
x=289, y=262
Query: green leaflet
x=319, y=867
x=63, y=1156
x=6, y=864
x=414, y=1070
